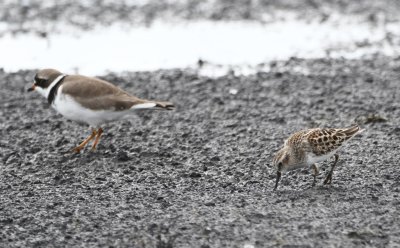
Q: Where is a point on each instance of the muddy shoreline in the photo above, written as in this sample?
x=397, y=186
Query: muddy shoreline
x=201, y=176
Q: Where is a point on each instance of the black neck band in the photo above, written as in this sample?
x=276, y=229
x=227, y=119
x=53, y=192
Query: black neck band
x=53, y=91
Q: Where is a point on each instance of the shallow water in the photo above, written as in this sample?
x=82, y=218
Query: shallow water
x=224, y=45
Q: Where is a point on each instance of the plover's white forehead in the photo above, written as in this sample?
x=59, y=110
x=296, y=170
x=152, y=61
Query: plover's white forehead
x=43, y=92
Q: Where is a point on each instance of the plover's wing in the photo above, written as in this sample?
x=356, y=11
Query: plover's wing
x=109, y=102
x=82, y=86
x=325, y=140
x=98, y=94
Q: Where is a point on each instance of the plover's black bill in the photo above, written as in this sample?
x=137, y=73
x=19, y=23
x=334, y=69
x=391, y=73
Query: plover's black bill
x=31, y=88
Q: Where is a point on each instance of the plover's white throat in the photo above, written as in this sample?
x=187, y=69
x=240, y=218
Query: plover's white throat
x=308, y=147
x=89, y=100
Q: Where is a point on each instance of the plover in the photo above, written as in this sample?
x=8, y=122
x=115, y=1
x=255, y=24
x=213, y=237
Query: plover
x=308, y=147
x=89, y=100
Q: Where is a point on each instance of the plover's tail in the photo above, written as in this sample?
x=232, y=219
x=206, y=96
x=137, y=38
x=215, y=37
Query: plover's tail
x=154, y=105
x=165, y=105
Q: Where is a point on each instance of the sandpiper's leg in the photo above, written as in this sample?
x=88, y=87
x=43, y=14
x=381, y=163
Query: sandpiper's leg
x=278, y=177
x=328, y=179
x=85, y=142
x=99, y=132
x=315, y=173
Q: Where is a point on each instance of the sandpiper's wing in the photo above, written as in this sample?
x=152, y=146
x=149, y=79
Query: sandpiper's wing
x=325, y=140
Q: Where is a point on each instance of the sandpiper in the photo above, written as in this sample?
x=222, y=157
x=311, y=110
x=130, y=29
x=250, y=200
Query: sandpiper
x=308, y=147
x=89, y=100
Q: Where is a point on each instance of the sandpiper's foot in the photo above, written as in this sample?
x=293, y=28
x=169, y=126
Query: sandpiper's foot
x=315, y=173
x=328, y=179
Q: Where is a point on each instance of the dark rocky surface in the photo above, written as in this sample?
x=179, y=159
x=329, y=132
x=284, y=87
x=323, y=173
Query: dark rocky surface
x=201, y=176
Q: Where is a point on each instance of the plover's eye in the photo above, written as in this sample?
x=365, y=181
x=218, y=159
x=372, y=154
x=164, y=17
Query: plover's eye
x=40, y=82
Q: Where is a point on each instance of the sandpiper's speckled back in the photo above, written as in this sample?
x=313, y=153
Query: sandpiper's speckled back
x=325, y=140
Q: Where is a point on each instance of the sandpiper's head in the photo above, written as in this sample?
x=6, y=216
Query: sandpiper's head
x=280, y=162
x=43, y=80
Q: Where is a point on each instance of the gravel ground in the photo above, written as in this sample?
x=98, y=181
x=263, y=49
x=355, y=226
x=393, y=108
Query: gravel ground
x=201, y=176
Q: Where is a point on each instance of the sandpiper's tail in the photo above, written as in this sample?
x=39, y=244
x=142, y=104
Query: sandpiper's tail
x=351, y=131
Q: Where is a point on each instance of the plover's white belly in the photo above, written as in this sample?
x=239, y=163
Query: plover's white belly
x=72, y=110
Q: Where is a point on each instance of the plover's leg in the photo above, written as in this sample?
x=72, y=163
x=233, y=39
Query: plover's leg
x=278, y=177
x=315, y=174
x=99, y=132
x=328, y=179
x=85, y=142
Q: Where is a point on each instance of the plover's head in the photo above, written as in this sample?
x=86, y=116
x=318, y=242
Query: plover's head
x=43, y=80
